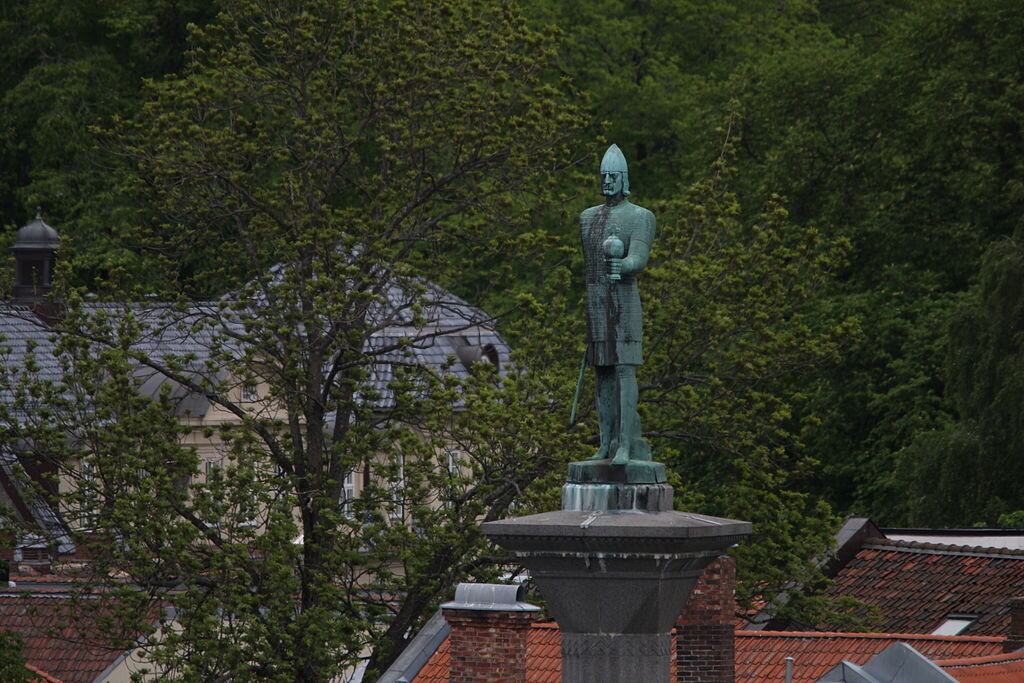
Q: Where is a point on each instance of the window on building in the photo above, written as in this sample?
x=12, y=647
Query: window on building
x=396, y=511
x=453, y=459
x=250, y=392
x=348, y=492
x=212, y=465
x=88, y=484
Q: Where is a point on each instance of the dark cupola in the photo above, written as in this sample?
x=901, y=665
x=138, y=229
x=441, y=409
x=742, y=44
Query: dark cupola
x=35, y=254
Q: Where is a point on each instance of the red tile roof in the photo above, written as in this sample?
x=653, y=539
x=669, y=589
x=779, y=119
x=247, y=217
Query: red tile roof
x=760, y=655
x=57, y=637
x=916, y=586
x=41, y=676
x=1007, y=668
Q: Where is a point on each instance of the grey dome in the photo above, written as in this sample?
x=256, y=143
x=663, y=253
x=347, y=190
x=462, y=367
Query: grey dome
x=37, y=235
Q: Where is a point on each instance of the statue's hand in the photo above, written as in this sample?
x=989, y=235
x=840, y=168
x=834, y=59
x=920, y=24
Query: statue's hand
x=614, y=268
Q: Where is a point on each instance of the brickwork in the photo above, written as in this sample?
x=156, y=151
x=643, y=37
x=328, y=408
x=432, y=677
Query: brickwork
x=705, y=638
x=488, y=646
x=1015, y=633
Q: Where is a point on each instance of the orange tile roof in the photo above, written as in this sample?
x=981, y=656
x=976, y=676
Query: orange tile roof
x=437, y=668
x=57, y=637
x=41, y=676
x=760, y=655
x=1006, y=668
x=916, y=586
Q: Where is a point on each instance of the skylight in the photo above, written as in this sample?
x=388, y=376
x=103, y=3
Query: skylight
x=953, y=626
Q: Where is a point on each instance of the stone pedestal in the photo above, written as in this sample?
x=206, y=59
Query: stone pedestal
x=616, y=580
x=617, y=497
x=604, y=471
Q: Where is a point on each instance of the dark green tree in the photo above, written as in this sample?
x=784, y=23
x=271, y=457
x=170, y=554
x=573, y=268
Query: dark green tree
x=725, y=302
x=65, y=67
x=307, y=173
x=906, y=143
x=652, y=71
x=963, y=473
x=12, y=662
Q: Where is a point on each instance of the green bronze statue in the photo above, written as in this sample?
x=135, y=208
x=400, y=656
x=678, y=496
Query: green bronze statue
x=617, y=237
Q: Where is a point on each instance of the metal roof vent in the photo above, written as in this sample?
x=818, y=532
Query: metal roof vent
x=491, y=597
x=35, y=254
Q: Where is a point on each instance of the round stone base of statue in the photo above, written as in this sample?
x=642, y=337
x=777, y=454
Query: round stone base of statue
x=605, y=472
x=617, y=497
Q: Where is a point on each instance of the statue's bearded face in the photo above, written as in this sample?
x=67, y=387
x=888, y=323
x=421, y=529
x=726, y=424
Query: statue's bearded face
x=611, y=183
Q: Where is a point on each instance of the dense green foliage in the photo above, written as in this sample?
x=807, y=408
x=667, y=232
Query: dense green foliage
x=967, y=468
x=68, y=66
x=831, y=307
x=908, y=144
x=12, y=663
x=309, y=167
x=896, y=126
x=711, y=386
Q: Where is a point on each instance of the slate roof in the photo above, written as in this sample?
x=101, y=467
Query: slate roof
x=760, y=655
x=1005, y=668
x=19, y=326
x=55, y=636
x=917, y=586
x=398, y=298
x=446, y=327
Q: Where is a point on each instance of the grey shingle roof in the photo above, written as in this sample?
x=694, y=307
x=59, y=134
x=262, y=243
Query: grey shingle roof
x=188, y=337
x=20, y=328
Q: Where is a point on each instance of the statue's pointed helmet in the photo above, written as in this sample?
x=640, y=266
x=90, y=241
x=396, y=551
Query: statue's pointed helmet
x=615, y=162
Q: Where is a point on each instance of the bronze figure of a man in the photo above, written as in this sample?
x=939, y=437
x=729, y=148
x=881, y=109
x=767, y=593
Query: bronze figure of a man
x=617, y=237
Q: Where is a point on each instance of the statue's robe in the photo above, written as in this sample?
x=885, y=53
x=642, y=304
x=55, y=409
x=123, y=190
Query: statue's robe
x=614, y=321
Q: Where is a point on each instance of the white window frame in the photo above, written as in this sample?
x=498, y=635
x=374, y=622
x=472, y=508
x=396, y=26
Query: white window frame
x=348, y=492
x=250, y=392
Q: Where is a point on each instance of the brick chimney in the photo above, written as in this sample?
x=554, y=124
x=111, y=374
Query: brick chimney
x=705, y=646
x=1015, y=633
x=490, y=625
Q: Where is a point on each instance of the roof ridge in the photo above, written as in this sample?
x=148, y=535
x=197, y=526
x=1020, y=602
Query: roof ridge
x=984, y=659
x=943, y=548
x=871, y=636
x=45, y=677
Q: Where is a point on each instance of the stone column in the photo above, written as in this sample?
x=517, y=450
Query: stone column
x=615, y=580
